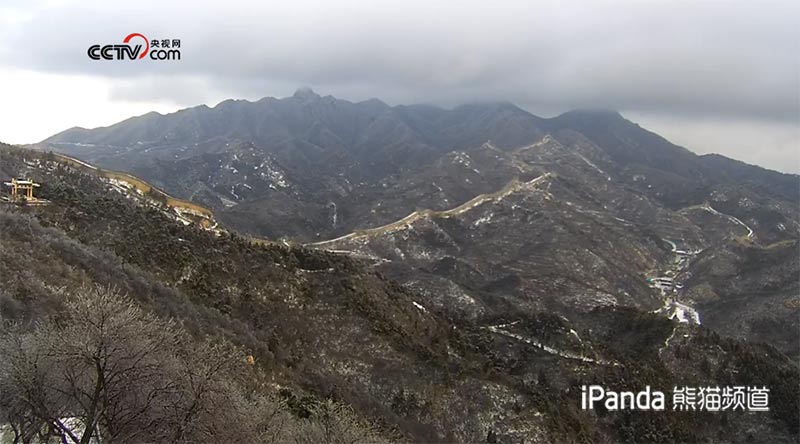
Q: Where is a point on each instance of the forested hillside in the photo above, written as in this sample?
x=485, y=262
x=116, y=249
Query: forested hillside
x=232, y=341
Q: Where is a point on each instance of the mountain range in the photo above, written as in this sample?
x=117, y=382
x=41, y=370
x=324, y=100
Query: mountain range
x=592, y=231
x=311, y=167
x=481, y=253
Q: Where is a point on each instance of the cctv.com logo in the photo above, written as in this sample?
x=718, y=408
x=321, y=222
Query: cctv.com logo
x=136, y=47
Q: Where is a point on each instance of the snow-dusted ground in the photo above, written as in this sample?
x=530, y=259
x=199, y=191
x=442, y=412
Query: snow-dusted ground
x=463, y=159
x=681, y=312
x=67, y=426
x=670, y=286
x=335, y=215
x=483, y=220
x=685, y=314
x=595, y=167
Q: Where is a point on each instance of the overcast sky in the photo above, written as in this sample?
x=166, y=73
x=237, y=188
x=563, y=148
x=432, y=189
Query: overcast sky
x=712, y=76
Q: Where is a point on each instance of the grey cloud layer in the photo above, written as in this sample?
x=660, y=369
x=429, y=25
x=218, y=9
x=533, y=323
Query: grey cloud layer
x=712, y=58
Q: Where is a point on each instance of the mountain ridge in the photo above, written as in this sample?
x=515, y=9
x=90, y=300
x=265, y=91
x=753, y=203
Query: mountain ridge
x=325, y=326
x=314, y=154
x=311, y=169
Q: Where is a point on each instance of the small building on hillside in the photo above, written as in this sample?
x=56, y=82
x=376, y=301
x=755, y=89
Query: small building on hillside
x=21, y=190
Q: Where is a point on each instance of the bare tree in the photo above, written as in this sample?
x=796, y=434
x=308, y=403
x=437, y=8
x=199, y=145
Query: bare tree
x=106, y=371
x=333, y=422
x=24, y=400
x=101, y=364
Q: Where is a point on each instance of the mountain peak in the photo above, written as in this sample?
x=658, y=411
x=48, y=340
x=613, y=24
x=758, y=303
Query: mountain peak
x=305, y=93
x=593, y=113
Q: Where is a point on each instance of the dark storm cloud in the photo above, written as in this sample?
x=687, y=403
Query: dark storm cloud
x=713, y=75
x=714, y=58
